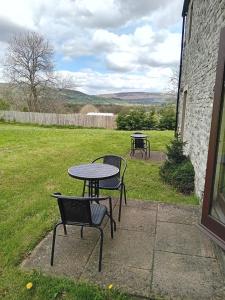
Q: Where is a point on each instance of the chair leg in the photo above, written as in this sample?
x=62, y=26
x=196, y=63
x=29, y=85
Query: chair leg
x=110, y=216
x=125, y=194
x=81, y=231
x=120, y=207
x=64, y=228
x=114, y=223
x=53, y=242
x=100, y=250
x=111, y=226
x=84, y=188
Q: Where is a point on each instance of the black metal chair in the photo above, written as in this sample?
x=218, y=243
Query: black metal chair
x=80, y=211
x=140, y=144
x=116, y=182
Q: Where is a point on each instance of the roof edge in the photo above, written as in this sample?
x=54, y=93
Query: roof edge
x=185, y=8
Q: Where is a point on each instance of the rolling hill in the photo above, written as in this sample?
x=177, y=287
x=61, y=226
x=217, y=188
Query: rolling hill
x=123, y=98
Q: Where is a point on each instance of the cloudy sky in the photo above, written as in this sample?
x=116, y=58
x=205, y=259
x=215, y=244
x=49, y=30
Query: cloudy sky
x=106, y=45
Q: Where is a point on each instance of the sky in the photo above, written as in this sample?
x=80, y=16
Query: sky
x=106, y=46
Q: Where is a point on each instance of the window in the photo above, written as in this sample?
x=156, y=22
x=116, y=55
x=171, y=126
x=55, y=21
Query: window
x=190, y=22
x=183, y=114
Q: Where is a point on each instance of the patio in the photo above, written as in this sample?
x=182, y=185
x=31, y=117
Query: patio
x=158, y=251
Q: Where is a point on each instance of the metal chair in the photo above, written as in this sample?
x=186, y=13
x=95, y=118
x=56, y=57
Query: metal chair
x=80, y=211
x=116, y=182
x=140, y=144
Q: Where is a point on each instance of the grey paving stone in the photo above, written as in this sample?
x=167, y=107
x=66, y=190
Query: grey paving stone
x=155, y=156
x=130, y=280
x=184, y=264
x=89, y=234
x=177, y=276
x=134, y=218
x=71, y=255
x=184, y=239
x=140, y=204
x=184, y=214
x=130, y=248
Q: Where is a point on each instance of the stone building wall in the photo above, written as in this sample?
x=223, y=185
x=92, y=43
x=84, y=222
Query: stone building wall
x=198, y=80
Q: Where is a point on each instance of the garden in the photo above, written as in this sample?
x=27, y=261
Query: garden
x=34, y=164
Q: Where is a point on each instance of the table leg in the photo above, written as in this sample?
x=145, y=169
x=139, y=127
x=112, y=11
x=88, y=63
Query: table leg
x=93, y=190
x=96, y=188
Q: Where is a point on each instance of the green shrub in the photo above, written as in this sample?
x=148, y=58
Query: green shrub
x=183, y=177
x=178, y=170
x=140, y=119
x=4, y=105
x=134, y=120
x=168, y=118
x=175, y=153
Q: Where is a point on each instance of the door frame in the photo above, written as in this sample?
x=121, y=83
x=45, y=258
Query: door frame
x=213, y=227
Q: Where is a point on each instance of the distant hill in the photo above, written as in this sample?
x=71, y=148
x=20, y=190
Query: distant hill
x=129, y=98
x=123, y=98
x=141, y=97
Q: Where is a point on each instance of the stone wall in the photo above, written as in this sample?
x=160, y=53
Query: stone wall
x=198, y=79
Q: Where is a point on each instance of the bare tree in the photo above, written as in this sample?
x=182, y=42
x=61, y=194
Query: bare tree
x=29, y=65
x=64, y=81
x=173, y=84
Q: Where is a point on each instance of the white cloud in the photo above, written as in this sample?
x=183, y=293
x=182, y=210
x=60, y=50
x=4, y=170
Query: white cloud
x=129, y=38
x=91, y=82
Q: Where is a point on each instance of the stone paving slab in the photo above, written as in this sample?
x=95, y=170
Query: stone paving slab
x=156, y=156
x=185, y=277
x=182, y=238
x=129, y=279
x=134, y=218
x=125, y=249
x=184, y=214
x=142, y=204
x=71, y=256
x=157, y=251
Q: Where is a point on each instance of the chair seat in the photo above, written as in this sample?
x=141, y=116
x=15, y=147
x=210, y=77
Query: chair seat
x=98, y=212
x=113, y=183
x=110, y=183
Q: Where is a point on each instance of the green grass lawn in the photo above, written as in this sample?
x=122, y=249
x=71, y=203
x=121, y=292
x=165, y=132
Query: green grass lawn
x=34, y=163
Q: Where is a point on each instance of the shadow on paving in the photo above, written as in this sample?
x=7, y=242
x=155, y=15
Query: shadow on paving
x=158, y=251
x=155, y=156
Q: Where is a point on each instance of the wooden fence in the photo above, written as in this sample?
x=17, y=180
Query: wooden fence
x=108, y=122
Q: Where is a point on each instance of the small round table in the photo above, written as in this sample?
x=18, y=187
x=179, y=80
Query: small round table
x=93, y=173
x=139, y=136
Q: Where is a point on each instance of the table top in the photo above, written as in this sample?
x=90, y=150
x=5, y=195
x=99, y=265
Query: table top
x=93, y=171
x=139, y=135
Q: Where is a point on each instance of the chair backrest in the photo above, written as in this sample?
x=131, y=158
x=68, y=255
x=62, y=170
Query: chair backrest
x=74, y=210
x=114, y=160
x=139, y=143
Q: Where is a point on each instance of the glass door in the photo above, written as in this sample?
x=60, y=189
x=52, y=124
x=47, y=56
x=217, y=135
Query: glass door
x=218, y=199
x=213, y=211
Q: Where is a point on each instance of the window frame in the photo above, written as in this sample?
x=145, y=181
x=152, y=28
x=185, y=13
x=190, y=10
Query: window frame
x=213, y=227
x=190, y=21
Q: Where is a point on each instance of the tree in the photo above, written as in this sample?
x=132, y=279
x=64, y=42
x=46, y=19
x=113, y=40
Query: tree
x=29, y=65
x=173, y=83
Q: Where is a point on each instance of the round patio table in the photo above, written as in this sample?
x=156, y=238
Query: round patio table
x=139, y=136
x=93, y=172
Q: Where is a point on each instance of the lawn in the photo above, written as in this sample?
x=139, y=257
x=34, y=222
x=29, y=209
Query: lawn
x=34, y=163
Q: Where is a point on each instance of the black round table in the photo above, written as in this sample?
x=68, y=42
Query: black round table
x=139, y=136
x=93, y=172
